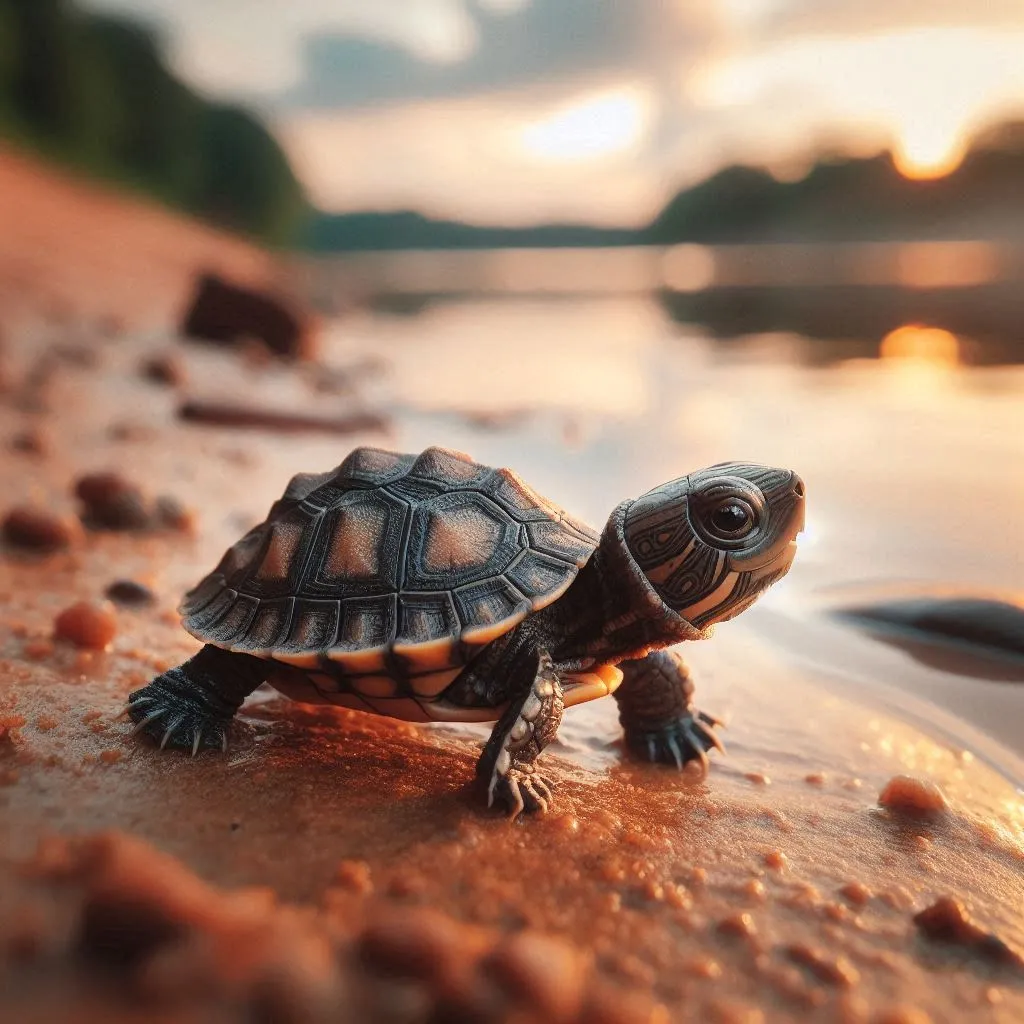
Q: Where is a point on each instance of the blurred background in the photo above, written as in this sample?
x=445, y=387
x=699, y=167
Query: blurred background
x=601, y=242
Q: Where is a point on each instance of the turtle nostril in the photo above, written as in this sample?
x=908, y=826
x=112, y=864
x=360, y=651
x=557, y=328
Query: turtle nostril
x=798, y=486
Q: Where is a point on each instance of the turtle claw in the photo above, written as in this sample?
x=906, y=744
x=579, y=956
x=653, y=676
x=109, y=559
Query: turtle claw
x=522, y=792
x=685, y=739
x=171, y=721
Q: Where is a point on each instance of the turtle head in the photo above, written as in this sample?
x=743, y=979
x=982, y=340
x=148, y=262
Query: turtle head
x=710, y=542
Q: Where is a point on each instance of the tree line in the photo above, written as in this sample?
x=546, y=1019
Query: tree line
x=94, y=92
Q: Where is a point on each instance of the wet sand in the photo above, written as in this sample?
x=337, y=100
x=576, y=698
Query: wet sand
x=776, y=889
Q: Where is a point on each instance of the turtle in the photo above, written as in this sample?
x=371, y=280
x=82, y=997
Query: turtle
x=432, y=588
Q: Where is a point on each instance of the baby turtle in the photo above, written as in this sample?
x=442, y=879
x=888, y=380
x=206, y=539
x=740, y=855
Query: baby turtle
x=432, y=588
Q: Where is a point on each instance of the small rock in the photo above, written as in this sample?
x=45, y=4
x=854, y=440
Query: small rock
x=542, y=972
x=33, y=441
x=165, y=368
x=224, y=312
x=111, y=502
x=946, y=920
x=856, y=893
x=130, y=594
x=839, y=972
x=171, y=513
x=38, y=530
x=737, y=925
x=908, y=795
x=354, y=875
x=87, y=625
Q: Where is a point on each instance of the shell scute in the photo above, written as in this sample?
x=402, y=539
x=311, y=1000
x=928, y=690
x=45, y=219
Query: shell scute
x=371, y=467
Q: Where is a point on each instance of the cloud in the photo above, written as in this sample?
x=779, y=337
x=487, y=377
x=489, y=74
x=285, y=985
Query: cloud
x=861, y=17
x=542, y=45
x=254, y=48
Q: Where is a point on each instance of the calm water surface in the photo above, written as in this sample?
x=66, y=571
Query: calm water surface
x=914, y=461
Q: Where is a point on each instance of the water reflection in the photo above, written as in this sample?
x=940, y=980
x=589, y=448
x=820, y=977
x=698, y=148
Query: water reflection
x=848, y=298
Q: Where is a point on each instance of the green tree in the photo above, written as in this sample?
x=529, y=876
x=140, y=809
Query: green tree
x=246, y=181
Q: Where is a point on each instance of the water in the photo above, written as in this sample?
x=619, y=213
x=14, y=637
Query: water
x=912, y=457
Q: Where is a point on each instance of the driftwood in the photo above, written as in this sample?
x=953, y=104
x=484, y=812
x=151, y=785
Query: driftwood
x=259, y=417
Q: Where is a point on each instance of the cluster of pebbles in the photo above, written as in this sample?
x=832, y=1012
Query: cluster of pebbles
x=161, y=941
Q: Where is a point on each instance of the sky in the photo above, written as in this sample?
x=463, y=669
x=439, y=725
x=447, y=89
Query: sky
x=518, y=111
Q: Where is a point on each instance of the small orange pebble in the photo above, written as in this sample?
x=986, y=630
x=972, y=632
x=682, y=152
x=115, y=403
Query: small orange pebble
x=909, y=795
x=704, y=967
x=776, y=860
x=754, y=888
x=855, y=892
x=653, y=891
x=698, y=876
x=354, y=875
x=91, y=716
x=38, y=649
x=110, y=756
x=44, y=723
x=758, y=778
x=815, y=779
x=88, y=625
x=836, y=911
x=678, y=896
x=853, y=784
x=740, y=925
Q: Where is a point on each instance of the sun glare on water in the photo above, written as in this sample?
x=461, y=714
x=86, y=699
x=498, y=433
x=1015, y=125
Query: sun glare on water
x=600, y=125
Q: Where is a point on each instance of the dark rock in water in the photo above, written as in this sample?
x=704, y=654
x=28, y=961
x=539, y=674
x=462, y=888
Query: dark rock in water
x=130, y=594
x=227, y=313
x=996, y=626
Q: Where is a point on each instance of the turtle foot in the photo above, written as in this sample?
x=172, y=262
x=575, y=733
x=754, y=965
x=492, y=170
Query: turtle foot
x=521, y=790
x=686, y=738
x=172, y=718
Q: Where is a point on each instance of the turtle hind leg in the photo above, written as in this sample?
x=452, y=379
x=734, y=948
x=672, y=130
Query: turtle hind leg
x=657, y=714
x=191, y=706
x=528, y=725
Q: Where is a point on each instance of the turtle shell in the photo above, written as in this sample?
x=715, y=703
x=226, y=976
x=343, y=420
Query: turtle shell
x=390, y=564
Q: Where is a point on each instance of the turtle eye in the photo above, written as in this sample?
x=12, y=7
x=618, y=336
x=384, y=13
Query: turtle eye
x=731, y=519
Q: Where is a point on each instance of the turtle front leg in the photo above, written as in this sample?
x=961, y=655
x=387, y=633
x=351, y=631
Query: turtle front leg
x=657, y=714
x=191, y=706
x=528, y=725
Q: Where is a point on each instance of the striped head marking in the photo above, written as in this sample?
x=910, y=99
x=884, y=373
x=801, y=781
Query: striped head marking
x=710, y=542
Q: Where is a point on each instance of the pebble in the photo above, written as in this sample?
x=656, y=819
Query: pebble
x=165, y=368
x=839, y=972
x=738, y=925
x=946, y=920
x=354, y=875
x=172, y=514
x=541, y=971
x=111, y=502
x=37, y=530
x=92, y=626
x=130, y=594
x=776, y=860
x=913, y=796
x=33, y=441
x=856, y=893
